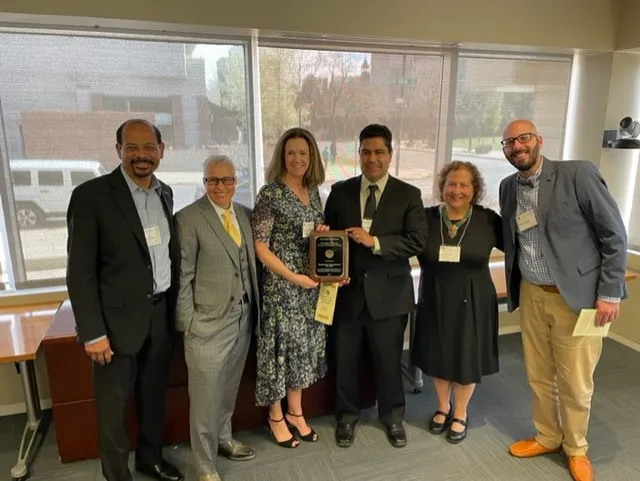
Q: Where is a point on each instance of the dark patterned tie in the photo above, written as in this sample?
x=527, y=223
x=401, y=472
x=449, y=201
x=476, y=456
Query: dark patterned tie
x=370, y=205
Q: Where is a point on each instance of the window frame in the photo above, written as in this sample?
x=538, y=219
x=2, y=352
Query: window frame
x=250, y=40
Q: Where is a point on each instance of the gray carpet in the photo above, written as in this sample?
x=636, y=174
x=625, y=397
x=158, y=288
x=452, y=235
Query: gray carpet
x=499, y=414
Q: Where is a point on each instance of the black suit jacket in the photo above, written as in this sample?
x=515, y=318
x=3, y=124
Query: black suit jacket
x=383, y=281
x=109, y=272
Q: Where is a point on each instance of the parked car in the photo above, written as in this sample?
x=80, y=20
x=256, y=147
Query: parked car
x=42, y=187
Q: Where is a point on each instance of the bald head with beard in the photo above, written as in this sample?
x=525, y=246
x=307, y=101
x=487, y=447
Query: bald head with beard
x=524, y=154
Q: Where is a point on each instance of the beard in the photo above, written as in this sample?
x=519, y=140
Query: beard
x=534, y=153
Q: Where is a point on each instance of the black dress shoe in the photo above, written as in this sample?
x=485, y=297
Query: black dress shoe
x=456, y=437
x=162, y=471
x=345, y=432
x=397, y=435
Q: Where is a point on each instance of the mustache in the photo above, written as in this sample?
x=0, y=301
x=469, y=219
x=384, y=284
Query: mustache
x=139, y=160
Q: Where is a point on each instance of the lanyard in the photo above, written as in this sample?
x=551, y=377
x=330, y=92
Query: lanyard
x=464, y=231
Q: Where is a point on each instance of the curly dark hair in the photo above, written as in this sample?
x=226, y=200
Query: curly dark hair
x=477, y=181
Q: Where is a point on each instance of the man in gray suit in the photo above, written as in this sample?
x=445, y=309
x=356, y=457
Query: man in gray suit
x=216, y=308
x=565, y=250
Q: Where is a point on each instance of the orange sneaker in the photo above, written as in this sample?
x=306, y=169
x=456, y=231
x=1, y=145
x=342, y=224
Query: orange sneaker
x=580, y=468
x=528, y=448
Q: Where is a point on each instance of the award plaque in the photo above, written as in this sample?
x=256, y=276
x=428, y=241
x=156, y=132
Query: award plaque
x=329, y=256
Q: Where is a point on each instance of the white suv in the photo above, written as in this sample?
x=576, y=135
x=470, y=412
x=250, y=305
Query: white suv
x=42, y=187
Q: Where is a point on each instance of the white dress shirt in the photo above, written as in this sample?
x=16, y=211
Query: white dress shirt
x=364, y=193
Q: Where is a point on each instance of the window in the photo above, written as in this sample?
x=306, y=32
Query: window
x=491, y=91
x=50, y=178
x=20, y=178
x=79, y=177
x=335, y=94
x=64, y=96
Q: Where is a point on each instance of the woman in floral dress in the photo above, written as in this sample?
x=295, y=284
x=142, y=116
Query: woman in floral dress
x=291, y=345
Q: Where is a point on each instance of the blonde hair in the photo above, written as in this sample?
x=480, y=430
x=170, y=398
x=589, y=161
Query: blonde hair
x=314, y=176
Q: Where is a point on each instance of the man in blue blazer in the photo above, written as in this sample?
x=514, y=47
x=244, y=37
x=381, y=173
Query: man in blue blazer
x=565, y=250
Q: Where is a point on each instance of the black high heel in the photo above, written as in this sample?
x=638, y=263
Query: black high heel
x=310, y=437
x=290, y=443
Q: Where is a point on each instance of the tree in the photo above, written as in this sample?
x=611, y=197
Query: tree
x=231, y=80
x=477, y=114
x=361, y=103
x=277, y=91
x=307, y=65
x=277, y=88
x=516, y=105
x=339, y=66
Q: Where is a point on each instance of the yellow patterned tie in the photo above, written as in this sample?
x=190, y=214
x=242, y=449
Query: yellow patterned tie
x=230, y=228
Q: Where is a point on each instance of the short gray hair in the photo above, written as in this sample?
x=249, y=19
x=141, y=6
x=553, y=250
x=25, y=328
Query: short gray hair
x=218, y=159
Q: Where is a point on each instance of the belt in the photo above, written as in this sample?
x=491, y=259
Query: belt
x=548, y=288
x=159, y=297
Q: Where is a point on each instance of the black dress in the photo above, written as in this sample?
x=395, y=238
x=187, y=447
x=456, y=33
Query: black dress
x=456, y=336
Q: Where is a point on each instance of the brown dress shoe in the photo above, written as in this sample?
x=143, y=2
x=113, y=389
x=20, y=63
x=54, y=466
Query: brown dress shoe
x=580, y=468
x=528, y=448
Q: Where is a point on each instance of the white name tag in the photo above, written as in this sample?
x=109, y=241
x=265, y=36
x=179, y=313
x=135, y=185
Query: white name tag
x=307, y=228
x=366, y=224
x=449, y=254
x=152, y=236
x=526, y=220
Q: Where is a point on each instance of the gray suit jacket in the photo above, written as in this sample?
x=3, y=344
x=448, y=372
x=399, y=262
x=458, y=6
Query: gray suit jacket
x=582, y=235
x=209, y=268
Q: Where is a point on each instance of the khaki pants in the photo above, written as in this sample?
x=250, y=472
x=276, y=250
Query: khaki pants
x=559, y=369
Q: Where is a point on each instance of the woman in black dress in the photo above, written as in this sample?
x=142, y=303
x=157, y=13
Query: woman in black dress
x=456, y=337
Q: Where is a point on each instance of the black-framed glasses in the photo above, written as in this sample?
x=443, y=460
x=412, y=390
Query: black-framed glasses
x=522, y=138
x=217, y=180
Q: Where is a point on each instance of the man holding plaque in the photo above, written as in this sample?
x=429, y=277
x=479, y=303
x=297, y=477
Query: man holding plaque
x=385, y=221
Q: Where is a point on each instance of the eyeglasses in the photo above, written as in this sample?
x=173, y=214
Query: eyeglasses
x=522, y=138
x=217, y=180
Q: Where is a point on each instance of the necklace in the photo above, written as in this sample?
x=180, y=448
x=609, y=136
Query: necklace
x=452, y=227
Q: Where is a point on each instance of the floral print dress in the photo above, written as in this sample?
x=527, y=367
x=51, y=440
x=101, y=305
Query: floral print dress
x=291, y=344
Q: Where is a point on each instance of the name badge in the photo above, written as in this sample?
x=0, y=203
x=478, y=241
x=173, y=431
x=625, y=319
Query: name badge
x=152, y=236
x=307, y=228
x=449, y=254
x=366, y=224
x=526, y=220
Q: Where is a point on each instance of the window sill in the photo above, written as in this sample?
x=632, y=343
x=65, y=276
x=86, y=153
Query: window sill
x=59, y=294
x=33, y=296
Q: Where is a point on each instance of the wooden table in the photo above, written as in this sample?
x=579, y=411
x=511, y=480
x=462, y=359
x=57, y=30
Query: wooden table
x=22, y=329
x=73, y=401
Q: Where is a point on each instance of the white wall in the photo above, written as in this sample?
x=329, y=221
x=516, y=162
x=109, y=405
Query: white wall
x=584, y=24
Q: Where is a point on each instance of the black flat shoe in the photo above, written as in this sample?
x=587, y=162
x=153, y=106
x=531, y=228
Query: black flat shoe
x=345, y=433
x=310, y=437
x=439, y=428
x=290, y=443
x=455, y=437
